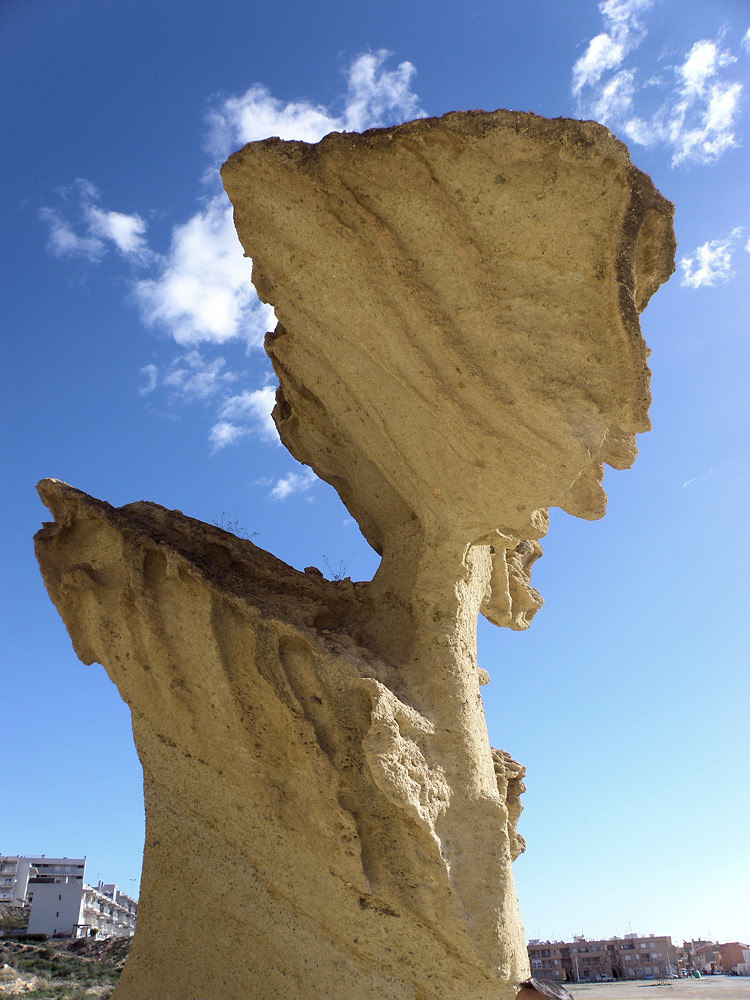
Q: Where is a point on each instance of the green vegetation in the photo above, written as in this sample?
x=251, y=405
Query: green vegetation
x=13, y=917
x=67, y=969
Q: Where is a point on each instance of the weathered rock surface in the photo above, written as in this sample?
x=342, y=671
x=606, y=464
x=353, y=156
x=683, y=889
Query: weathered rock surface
x=458, y=349
x=296, y=806
x=458, y=343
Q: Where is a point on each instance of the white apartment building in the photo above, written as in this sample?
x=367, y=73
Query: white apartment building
x=121, y=898
x=17, y=872
x=55, y=907
x=61, y=901
x=68, y=907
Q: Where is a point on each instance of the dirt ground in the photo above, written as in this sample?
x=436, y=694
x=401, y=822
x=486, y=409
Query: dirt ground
x=710, y=988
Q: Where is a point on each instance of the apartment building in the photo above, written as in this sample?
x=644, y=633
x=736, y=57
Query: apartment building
x=61, y=902
x=67, y=907
x=705, y=956
x=732, y=955
x=18, y=874
x=631, y=957
x=15, y=873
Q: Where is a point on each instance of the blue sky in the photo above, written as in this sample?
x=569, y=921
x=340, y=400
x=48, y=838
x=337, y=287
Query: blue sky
x=133, y=369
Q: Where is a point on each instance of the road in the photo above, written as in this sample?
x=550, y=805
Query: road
x=710, y=988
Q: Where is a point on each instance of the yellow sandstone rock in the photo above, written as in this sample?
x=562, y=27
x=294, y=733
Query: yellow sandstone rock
x=458, y=349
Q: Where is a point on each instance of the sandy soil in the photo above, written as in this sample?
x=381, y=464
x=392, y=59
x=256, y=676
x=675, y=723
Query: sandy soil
x=710, y=987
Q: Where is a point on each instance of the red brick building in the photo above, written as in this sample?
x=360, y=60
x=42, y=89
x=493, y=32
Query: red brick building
x=733, y=954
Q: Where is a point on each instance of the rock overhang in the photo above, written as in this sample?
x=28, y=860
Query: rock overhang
x=458, y=304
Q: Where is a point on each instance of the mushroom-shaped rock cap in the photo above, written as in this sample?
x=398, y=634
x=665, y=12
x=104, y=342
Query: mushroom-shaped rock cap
x=458, y=339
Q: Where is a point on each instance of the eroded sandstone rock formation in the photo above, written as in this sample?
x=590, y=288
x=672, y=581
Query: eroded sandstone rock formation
x=458, y=349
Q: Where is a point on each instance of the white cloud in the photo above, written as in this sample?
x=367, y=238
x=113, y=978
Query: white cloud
x=710, y=263
x=691, y=109
x=193, y=378
x=125, y=231
x=375, y=96
x=149, y=379
x=606, y=51
x=202, y=291
x=615, y=98
x=701, y=65
x=700, y=124
x=257, y=114
x=255, y=406
x=224, y=433
x=293, y=482
x=95, y=229
x=603, y=53
x=697, y=479
x=745, y=43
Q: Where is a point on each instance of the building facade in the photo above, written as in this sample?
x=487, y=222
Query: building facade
x=579, y=960
x=18, y=872
x=15, y=873
x=68, y=907
x=61, y=902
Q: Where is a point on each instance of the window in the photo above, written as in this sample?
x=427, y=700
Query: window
x=59, y=897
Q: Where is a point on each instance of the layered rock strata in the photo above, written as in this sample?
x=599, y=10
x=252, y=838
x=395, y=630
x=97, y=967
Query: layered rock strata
x=458, y=348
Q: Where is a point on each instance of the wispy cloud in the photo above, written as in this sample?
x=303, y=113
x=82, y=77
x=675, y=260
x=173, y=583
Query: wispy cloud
x=224, y=433
x=189, y=378
x=253, y=408
x=623, y=31
x=697, y=479
x=711, y=263
x=194, y=378
x=93, y=231
x=293, y=482
x=149, y=377
x=374, y=96
x=691, y=108
x=377, y=96
x=248, y=412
